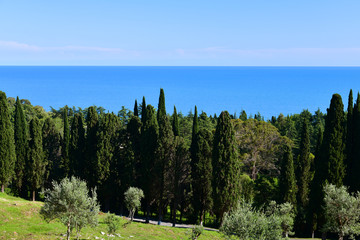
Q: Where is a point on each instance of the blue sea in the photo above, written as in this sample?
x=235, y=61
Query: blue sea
x=268, y=90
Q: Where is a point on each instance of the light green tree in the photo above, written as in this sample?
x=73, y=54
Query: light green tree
x=70, y=203
x=342, y=211
x=133, y=198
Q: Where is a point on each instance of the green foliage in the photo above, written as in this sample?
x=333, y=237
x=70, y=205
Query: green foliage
x=7, y=145
x=77, y=146
x=196, y=231
x=161, y=112
x=133, y=198
x=175, y=123
x=136, y=111
x=65, y=165
x=287, y=182
x=286, y=214
x=342, y=211
x=112, y=222
x=69, y=202
x=92, y=125
x=226, y=166
x=353, y=163
x=247, y=187
x=266, y=189
x=247, y=223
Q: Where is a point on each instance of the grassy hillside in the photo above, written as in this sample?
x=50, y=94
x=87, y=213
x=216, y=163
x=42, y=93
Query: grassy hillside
x=20, y=219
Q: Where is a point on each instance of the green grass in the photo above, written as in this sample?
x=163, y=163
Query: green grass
x=20, y=219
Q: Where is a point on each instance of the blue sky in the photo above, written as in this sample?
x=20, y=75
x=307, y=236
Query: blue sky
x=180, y=33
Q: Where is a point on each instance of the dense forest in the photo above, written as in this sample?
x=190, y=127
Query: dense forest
x=191, y=167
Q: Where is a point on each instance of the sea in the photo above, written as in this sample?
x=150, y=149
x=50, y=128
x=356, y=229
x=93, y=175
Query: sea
x=265, y=90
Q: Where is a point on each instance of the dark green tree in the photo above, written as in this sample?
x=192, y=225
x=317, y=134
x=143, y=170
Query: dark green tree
x=21, y=146
x=201, y=171
x=92, y=125
x=175, y=123
x=37, y=162
x=77, y=147
x=7, y=144
x=333, y=144
x=161, y=106
x=226, y=166
x=143, y=111
x=354, y=160
x=136, y=111
x=349, y=138
x=65, y=165
x=287, y=181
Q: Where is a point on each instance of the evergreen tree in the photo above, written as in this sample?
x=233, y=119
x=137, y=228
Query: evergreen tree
x=136, y=111
x=333, y=145
x=143, y=112
x=287, y=182
x=195, y=128
x=149, y=145
x=51, y=139
x=201, y=172
x=161, y=106
x=175, y=123
x=354, y=160
x=7, y=145
x=303, y=177
x=37, y=163
x=226, y=166
x=21, y=146
x=65, y=166
x=349, y=138
x=77, y=147
x=134, y=136
x=92, y=124
x=243, y=115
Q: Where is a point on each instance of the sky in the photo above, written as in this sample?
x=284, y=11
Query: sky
x=180, y=33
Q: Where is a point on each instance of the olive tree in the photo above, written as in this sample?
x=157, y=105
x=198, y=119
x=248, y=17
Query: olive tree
x=285, y=212
x=342, y=211
x=69, y=202
x=133, y=198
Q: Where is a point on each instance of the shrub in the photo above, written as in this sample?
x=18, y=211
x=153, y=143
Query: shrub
x=196, y=232
x=112, y=222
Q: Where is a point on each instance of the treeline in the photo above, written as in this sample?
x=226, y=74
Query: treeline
x=196, y=165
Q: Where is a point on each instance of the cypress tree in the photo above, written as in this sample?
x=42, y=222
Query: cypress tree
x=143, y=111
x=134, y=133
x=149, y=145
x=303, y=177
x=21, y=145
x=136, y=111
x=36, y=157
x=77, y=146
x=226, y=166
x=195, y=130
x=7, y=145
x=349, y=138
x=201, y=172
x=287, y=182
x=66, y=142
x=354, y=164
x=92, y=124
x=51, y=139
x=161, y=106
x=175, y=123
x=333, y=145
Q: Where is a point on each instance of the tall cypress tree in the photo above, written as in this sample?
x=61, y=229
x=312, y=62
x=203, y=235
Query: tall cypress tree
x=149, y=145
x=195, y=130
x=226, y=166
x=51, y=139
x=66, y=143
x=7, y=145
x=175, y=123
x=92, y=124
x=287, y=181
x=36, y=156
x=77, y=146
x=349, y=138
x=354, y=164
x=303, y=177
x=333, y=145
x=21, y=145
x=143, y=111
x=201, y=172
x=136, y=111
x=161, y=106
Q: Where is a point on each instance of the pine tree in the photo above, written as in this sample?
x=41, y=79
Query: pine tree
x=226, y=166
x=37, y=163
x=92, y=124
x=21, y=146
x=333, y=145
x=201, y=172
x=7, y=144
x=65, y=166
x=175, y=123
x=287, y=182
x=77, y=147
x=149, y=145
x=51, y=139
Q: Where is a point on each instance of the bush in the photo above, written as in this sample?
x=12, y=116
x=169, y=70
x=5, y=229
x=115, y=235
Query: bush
x=286, y=214
x=133, y=198
x=112, y=222
x=196, y=232
x=69, y=202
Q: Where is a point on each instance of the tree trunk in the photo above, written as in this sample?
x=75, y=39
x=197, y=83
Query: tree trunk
x=160, y=214
x=174, y=213
x=33, y=197
x=68, y=231
x=323, y=236
x=132, y=214
x=201, y=217
x=147, y=213
x=2, y=188
x=313, y=234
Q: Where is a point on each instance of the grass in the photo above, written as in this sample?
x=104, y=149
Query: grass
x=20, y=219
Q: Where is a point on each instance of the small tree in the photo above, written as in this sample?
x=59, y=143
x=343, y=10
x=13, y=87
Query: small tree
x=286, y=214
x=196, y=231
x=112, y=222
x=342, y=211
x=69, y=202
x=133, y=198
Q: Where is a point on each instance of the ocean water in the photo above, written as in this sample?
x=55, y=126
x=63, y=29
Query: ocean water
x=268, y=90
